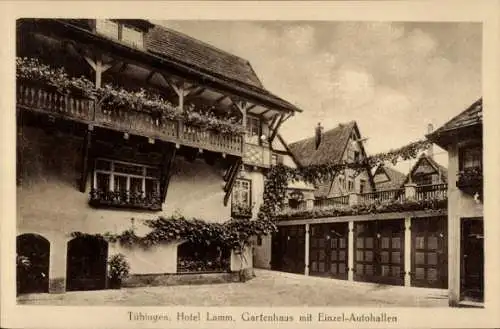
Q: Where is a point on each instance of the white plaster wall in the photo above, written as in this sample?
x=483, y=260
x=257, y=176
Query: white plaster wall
x=263, y=253
x=49, y=202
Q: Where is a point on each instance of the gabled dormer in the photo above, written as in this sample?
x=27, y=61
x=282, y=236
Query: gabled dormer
x=427, y=171
x=127, y=31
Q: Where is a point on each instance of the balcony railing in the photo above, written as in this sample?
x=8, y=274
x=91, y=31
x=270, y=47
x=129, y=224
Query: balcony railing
x=339, y=200
x=432, y=191
x=381, y=196
x=125, y=199
x=418, y=193
x=43, y=99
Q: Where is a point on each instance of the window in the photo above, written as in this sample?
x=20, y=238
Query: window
x=242, y=192
x=423, y=179
x=342, y=182
x=125, y=183
x=276, y=159
x=350, y=183
x=471, y=157
x=253, y=130
x=356, y=156
x=241, y=198
x=132, y=36
x=108, y=28
x=120, y=32
x=362, y=186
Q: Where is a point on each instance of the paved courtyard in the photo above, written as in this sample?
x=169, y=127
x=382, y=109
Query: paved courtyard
x=268, y=288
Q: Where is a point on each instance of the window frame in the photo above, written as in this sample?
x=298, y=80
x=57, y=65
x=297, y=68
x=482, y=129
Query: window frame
x=119, y=34
x=112, y=174
x=249, y=129
x=246, y=180
x=462, y=152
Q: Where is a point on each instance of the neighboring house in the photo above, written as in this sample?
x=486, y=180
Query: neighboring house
x=340, y=144
x=387, y=178
x=429, y=177
x=95, y=166
x=426, y=171
x=462, y=137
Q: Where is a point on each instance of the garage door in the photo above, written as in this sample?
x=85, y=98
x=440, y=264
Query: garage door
x=379, y=252
x=429, y=252
x=328, y=250
x=288, y=249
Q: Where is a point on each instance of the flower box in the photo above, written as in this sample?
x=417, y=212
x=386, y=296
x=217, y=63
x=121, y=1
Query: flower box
x=470, y=180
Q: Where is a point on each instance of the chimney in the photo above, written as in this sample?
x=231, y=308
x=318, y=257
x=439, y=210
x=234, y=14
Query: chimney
x=430, y=152
x=318, y=134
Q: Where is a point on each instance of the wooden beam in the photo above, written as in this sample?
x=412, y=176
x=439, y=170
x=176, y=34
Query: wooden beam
x=87, y=144
x=150, y=76
x=169, y=154
x=194, y=92
x=123, y=67
x=230, y=183
x=91, y=62
x=275, y=129
x=99, y=68
x=219, y=100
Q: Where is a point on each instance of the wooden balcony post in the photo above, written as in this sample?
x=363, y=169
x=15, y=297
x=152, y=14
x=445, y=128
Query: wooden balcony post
x=353, y=199
x=350, y=251
x=410, y=191
x=99, y=68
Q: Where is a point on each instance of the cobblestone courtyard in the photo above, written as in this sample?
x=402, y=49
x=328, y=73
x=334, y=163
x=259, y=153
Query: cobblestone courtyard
x=268, y=288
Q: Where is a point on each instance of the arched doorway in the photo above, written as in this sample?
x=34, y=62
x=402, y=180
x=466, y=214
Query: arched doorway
x=33, y=272
x=86, y=263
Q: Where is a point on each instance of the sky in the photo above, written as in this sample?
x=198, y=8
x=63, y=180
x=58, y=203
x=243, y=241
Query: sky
x=392, y=78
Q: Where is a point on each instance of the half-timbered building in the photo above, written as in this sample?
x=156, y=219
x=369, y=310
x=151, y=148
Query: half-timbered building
x=184, y=129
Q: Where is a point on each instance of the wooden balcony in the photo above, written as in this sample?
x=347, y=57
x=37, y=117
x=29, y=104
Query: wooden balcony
x=432, y=192
x=381, y=196
x=419, y=193
x=45, y=100
x=335, y=201
x=408, y=199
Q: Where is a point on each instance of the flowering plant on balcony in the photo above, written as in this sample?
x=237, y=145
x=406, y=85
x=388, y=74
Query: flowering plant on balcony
x=125, y=199
x=112, y=97
x=470, y=178
x=206, y=119
x=32, y=70
x=363, y=209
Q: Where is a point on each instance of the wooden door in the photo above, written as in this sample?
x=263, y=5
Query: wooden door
x=328, y=250
x=429, y=252
x=288, y=249
x=472, y=269
x=379, y=252
x=86, y=264
x=34, y=276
